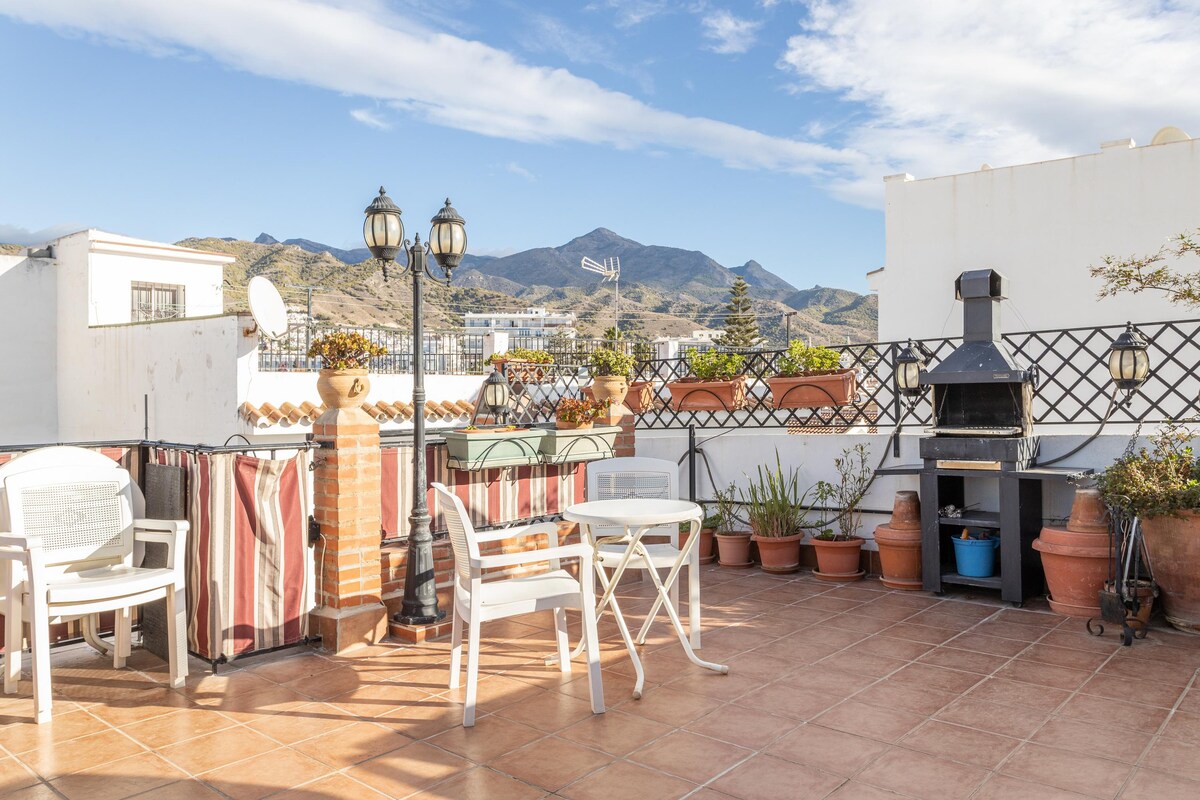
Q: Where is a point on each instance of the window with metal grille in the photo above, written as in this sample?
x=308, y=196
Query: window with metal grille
x=151, y=301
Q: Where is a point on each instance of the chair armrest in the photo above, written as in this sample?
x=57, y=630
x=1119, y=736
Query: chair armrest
x=580, y=551
x=166, y=525
x=171, y=532
x=549, y=529
x=16, y=542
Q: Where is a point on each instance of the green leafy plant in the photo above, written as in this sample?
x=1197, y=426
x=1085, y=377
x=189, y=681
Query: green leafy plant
x=801, y=359
x=577, y=411
x=345, y=350
x=854, y=478
x=1161, y=481
x=607, y=361
x=1137, y=274
x=522, y=354
x=773, y=501
x=715, y=365
x=727, y=508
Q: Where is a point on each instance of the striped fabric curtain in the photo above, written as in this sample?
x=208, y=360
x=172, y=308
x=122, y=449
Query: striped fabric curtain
x=249, y=583
x=493, y=497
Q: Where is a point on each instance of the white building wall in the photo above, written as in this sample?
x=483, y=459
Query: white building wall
x=116, y=262
x=28, y=346
x=1042, y=225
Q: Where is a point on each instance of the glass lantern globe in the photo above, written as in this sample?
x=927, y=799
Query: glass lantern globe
x=448, y=237
x=1128, y=361
x=496, y=395
x=909, y=366
x=382, y=229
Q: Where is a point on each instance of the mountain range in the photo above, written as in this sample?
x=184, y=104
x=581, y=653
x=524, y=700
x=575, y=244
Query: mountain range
x=663, y=290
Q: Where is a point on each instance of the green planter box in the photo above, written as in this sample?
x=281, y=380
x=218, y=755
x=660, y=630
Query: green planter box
x=486, y=449
x=590, y=444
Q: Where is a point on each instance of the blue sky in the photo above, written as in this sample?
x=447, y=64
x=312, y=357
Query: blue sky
x=753, y=129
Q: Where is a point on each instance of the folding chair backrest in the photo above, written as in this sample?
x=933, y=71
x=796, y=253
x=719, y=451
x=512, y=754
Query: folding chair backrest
x=81, y=515
x=634, y=477
x=462, y=532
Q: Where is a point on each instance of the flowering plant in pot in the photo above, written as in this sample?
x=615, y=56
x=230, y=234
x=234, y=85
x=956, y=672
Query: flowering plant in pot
x=572, y=413
x=611, y=371
x=1161, y=486
x=521, y=364
x=733, y=544
x=342, y=381
x=838, y=552
x=812, y=377
x=717, y=382
x=776, y=510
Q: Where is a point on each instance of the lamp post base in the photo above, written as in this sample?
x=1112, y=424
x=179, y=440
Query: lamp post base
x=415, y=634
x=419, y=619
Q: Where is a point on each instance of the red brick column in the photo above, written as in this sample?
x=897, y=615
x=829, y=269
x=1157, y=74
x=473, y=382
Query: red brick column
x=625, y=445
x=346, y=494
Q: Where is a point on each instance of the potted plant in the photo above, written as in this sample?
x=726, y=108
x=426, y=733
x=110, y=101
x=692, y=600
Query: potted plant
x=1078, y=557
x=733, y=545
x=1161, y=486
x=575, y=414
x=521, y=364
x=611, y=372
x=812, y=377
x=342, y=381
x=708, y=528
x=717, y=382
x=775, y=508
x=838, y=553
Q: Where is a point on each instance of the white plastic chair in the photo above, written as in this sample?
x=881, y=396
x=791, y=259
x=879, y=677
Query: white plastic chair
x=643, y=478
x=70, y=554
x=477, y=600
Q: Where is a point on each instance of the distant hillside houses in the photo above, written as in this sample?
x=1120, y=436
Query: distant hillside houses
x=536, y=322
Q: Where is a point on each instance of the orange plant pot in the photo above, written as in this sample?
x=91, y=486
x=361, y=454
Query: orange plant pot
x=899, y=544
x=733, y=549
x=814, y=390
x=780, y=555
x=838, y=561
x=690, y=394
x=1077, y=559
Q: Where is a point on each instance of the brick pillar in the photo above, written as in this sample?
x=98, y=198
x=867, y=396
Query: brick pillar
x=625, y=445
x=347, y=507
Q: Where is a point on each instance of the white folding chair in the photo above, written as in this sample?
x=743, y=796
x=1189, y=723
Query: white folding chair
x=644, y=478
x=477, y=600
x=70, y=554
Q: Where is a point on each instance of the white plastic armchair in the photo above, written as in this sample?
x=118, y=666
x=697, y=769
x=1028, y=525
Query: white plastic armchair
x=70, y=554
x=477, y=600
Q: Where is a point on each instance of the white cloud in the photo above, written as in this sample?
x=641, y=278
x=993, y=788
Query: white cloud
x=729, y=34
x=517, y=169
x=361, y=48
x=371, y=119
x=945, y=85
x=631, y=12
x=15, y=234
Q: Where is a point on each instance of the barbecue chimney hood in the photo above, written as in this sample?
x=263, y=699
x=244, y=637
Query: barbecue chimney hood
x=982, y=357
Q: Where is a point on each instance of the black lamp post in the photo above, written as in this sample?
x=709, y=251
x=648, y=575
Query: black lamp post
x=1128, y=361
x=910, y=363
x=384, y=234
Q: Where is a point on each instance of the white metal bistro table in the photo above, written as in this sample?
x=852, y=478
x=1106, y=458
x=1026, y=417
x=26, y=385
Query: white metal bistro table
x=637, y=517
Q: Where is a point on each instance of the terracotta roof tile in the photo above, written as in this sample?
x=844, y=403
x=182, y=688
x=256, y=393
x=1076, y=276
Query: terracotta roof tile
x=286, y=414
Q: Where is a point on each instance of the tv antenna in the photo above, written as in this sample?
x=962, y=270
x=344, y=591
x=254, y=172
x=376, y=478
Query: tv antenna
x=609, y=270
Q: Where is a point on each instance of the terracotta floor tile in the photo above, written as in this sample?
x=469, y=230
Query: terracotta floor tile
x=14, y=775
x=669, y=706
x=744, y=726
x=266, y=774
x=820, y=678
x=118, y=779
x=1064, y=657
x=1006, y=719
x=1078, y=639
x=956, y=743
x=1149, y=785
x=353, y=744
x=1118, y=688
x=215, y=750
x=964, y=660
x=848, y=662
x=480, y=783
x=495, y=692
x=826, y=602
x=690, y=756
x=622, y=780
x=768, y=778
x=80, y=754
x=491, y=737
x=548, y=711
x=39, y=791
x=1093, y=739
x=228, y=683
x=1008, y=630
x=551, y=763
x=327, y=684
x=707, y=683
x=18, y=737
x=937, y=678
x=416, y=766
x=1184, y=726
x=1002, y=787
x=925, y=634
x=376, y=699
x=1062, y=769
x=1006, y=692
x=292, y=667
x=1174, y=756
x=257, y=703
x=853, y=622
x=1103, y=711
x=336, y=785
x=786, y=699
x=891, y=647
x=139, y=705
x=940, y=619
x=992, y=645
x=615, y=732
x=828, y=750
x=1142, y=669
x=302, y=722
x=922, y=776
x=177, y=727
x=853, y=790
x=1043, y=674
x=875, y=722
x=906, y=697
x=1022, y=616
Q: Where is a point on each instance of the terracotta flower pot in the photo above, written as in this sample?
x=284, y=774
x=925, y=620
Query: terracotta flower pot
x=815, y=389
x=690, y=394
x=1174, y=547
x=838, y=561
x=706, y=545
x=343, y=388
x=780, y=555
x=733, y=549
x=610, y=387
x=900, y=543
x=640, y=397
x=563, y=425
x=1077, y=559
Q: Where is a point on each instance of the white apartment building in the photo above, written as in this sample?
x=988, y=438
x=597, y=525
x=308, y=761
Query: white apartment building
x=535, y=321
x=675, y=346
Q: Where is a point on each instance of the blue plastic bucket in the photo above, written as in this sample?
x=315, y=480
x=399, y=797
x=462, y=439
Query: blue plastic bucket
x=976, y=558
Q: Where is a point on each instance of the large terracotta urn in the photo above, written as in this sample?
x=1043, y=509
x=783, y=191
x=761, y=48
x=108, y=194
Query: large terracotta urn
x=1078, y=559
x=900, y=543
x=612, y=388
x=1174, y=547
x=343, y=388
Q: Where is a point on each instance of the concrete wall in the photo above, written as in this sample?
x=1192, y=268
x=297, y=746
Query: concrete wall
x=116, y=262
x=29, y=381
x=1042, y=225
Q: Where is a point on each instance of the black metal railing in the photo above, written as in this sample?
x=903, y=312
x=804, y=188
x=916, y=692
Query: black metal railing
x=446, y=353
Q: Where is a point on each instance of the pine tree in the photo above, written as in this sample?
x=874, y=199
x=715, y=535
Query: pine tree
x=741, y=324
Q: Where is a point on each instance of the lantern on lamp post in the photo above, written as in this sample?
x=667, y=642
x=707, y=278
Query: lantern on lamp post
x=496, y=395
x=1128, y=361
x=383, y=232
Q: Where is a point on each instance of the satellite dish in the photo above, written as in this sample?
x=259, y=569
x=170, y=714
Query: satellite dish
x=267, y=307
x=1168, y=135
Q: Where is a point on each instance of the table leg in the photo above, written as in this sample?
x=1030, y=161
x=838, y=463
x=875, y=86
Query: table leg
x=686, y=554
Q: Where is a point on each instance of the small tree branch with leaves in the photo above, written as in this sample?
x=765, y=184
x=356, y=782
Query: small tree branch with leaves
x=1137, y=274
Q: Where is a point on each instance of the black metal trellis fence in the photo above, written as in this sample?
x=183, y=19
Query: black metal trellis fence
x=445, y=353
